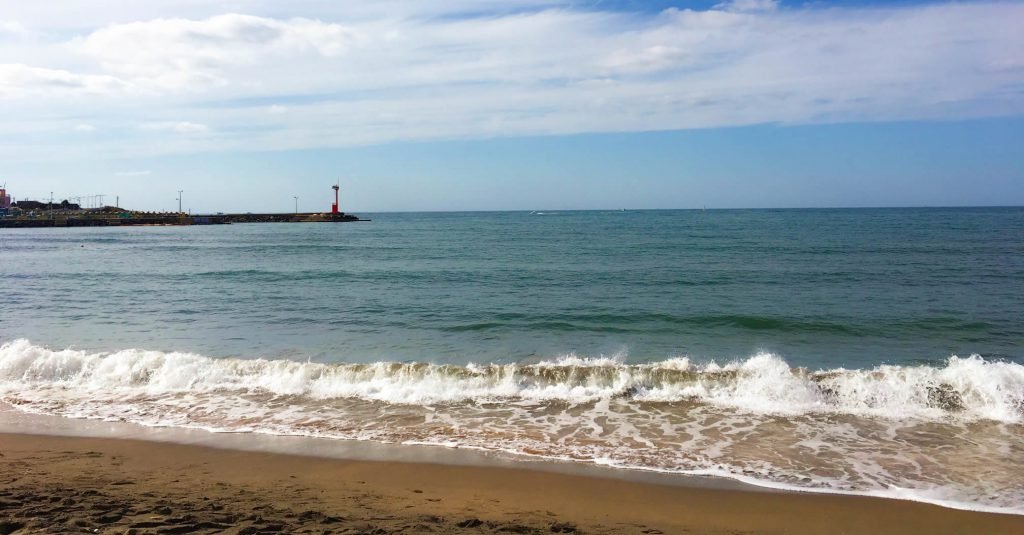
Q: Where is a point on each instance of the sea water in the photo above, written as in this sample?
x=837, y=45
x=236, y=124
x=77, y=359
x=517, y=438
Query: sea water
x=869, y=351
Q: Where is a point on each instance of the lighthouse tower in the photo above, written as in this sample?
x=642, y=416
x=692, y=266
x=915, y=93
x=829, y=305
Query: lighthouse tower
x=334, y=207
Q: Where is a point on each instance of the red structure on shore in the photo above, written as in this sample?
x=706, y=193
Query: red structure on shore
x=5, y=199
x=334, y=207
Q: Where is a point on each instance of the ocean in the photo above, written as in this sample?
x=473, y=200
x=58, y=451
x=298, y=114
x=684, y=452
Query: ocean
x=863, y=351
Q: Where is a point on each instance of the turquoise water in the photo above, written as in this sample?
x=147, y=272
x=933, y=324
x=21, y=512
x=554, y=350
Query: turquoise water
x=824, y=288
x=870, y=351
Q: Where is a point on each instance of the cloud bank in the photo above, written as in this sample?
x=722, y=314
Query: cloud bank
x=185, y=77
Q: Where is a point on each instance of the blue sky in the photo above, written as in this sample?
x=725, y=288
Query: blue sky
x=514, y=104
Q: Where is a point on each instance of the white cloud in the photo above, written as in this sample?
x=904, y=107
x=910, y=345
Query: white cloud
x=20, y=80
x=85, y=128
x=133, y=173
x=748, y=5
x=187, y=54
x=12, y=29
x=355, y=73
x=180, y=127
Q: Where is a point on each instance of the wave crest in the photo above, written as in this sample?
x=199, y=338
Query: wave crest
x=965, y=388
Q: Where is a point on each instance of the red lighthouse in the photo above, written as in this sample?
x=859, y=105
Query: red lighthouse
x=334, y=207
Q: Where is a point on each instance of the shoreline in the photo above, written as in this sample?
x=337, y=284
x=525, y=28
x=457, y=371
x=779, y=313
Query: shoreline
x=15, y=422
x=306, y=482
x=112, y=485
x=154, y=417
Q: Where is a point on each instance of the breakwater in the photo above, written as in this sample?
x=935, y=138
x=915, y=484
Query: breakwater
x=165, y=219
x=277, y=218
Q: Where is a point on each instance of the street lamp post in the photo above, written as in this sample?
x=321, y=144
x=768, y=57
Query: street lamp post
x=296, y=205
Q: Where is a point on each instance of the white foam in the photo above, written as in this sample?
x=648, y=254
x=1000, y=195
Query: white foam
x=576, y=361
x=758, y=420
x=972, y=388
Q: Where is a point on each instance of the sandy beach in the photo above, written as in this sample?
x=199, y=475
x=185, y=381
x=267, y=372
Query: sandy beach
x=728, y=267
x=54, y=484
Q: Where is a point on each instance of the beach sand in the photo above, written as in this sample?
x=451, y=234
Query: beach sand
x=54, y=484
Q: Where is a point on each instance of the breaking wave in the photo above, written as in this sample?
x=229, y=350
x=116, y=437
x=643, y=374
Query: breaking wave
x=970, y=388
x=947, y=434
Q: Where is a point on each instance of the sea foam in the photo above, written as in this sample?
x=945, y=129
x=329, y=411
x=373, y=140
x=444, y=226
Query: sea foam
x=947, y=434
x=970, y=388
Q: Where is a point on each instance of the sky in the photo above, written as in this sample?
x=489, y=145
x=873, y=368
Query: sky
x=513, y=104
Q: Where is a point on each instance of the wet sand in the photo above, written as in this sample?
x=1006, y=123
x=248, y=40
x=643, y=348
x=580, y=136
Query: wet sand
x=54, y=484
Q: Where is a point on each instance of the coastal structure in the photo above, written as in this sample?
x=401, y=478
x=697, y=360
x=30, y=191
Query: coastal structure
x=36, y=214
x=64, y=205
